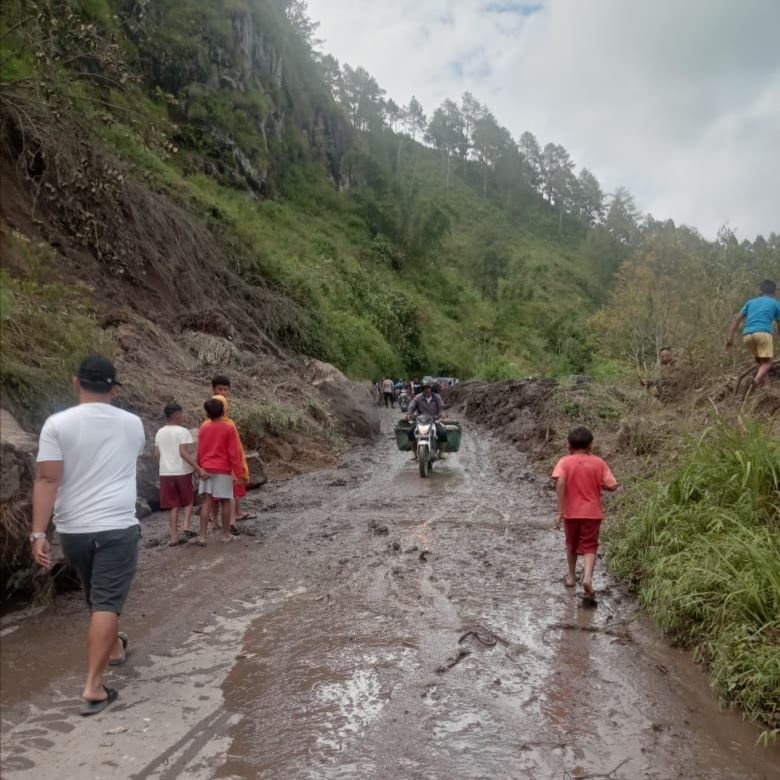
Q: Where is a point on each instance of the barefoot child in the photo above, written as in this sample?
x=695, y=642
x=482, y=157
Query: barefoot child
x=580, y=477
x=219, y=455
x=239, y=484
x=172, y=450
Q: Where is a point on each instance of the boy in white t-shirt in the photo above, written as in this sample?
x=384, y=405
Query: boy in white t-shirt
x=177, y=464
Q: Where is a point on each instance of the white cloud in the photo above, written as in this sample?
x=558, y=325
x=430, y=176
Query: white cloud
x=679, y=101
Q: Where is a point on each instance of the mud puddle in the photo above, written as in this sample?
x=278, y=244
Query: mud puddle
x=377, y=626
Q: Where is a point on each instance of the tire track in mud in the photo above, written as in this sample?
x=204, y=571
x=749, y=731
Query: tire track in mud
x=469, y=549
x=383, y=626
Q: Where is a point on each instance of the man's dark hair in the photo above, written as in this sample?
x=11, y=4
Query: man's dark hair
x=580, y=438
x=220, y=379
x=214, y=408
x=768, y=287
x=171, y=409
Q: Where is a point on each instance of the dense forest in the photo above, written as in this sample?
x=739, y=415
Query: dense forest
x=404, y=241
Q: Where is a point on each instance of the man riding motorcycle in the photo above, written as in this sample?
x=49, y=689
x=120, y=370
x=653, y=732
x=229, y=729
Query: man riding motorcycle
x=430, y=404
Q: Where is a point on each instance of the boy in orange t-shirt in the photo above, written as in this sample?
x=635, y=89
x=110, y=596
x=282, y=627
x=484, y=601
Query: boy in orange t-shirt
x=580, y=477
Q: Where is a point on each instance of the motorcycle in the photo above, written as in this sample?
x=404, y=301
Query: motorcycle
x=403, y=400
x=427, y=444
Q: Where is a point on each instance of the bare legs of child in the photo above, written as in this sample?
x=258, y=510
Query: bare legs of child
x=206, y=508
x=762, y=375
x=227, y=519
x=571, y=560
x=174, y=525
x=589, y=564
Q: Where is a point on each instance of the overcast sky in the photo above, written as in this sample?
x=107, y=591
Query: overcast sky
x=679, y=100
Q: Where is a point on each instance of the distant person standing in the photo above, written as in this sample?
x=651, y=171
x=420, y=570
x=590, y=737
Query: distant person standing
x=220, y=385
x=86, y=478
x=760, y=317
x=580, y=477
x=172, y=450
x=219, y=456
x=388, y=392
x=220, y=388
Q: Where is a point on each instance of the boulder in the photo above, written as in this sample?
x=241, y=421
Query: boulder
x=257, y=475
x=142, y=508
x=17, y=471
x=148, y=481
x=17, y=458
x=352, y=404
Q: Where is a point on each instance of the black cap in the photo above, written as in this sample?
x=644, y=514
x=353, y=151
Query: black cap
x=97, y=374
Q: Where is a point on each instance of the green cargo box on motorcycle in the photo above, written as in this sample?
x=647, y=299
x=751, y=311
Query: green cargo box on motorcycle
x=403, y=435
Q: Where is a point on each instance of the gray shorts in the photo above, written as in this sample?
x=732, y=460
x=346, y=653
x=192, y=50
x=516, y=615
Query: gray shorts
x=106, y=563
x=217, y=486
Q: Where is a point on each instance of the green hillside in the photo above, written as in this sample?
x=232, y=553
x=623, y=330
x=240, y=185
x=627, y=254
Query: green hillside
x=460, y=255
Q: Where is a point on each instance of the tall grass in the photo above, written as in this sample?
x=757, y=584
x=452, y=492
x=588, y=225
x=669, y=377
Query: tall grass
x=704, y=551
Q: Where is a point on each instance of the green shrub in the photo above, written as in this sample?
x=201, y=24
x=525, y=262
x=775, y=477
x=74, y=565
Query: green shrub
x=704, y=551
x=262, y=420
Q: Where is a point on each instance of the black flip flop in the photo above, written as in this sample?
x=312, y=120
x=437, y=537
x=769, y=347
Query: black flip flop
x=93, y=706
x=190, y=534
x=122, y=637
x=178, y=542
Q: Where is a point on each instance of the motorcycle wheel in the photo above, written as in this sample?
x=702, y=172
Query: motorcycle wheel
x=424, y=464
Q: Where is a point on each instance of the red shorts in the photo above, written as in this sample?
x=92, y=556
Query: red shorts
x=582, y=536
x=239, y=491
x=176, y=491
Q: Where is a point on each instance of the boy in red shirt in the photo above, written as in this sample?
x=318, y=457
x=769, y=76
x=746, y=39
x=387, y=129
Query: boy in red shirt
x=219, y=455
x=580, y=477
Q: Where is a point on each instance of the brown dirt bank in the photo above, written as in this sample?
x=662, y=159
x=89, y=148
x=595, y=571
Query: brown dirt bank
x=165, y=299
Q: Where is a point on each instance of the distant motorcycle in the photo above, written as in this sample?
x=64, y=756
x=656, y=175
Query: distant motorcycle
x=404, y=400
x=427, y=444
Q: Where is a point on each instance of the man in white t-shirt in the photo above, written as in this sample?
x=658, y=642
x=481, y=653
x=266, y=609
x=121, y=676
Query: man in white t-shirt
x=86, y=478
x=177, y=464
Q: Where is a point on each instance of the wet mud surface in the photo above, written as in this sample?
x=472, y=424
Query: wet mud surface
x=375, y=625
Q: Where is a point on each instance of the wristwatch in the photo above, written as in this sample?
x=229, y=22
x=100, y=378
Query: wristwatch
x=35, y=535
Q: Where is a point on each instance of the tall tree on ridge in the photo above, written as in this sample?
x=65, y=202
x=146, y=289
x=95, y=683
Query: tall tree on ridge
x=297, y=13
x=591, y=199
x=331, y=74
x=393, y=113
x=472, y=111
x=415, y=122
x=622, y=219
x=529, y=147
x=490, y=140
x=445, y=132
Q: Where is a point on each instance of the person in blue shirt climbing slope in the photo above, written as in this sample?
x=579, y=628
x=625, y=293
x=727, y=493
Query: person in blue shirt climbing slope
x=760, y=317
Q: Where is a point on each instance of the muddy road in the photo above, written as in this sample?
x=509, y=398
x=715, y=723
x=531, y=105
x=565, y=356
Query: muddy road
x=376, y=625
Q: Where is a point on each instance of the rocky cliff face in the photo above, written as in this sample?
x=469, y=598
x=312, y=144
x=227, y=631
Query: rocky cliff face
x=246, y=82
